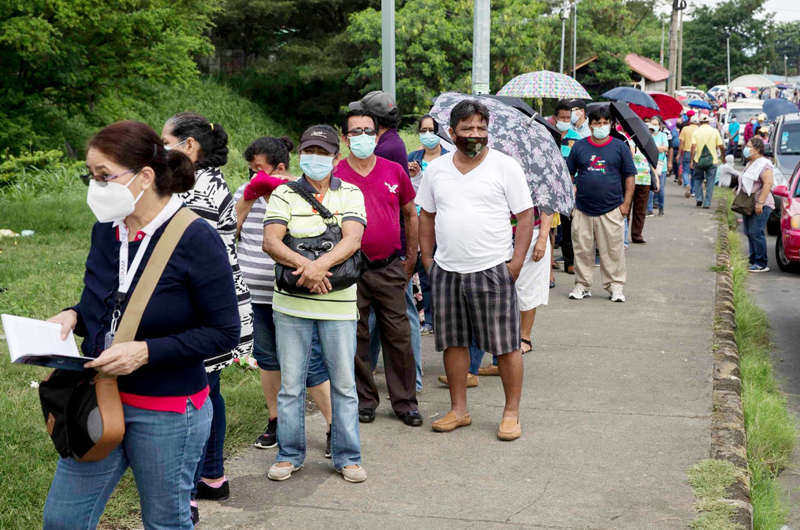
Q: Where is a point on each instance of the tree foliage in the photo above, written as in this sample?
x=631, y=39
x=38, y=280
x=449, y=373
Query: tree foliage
x=59, y=58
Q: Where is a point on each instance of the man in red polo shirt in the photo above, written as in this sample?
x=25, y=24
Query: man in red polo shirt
x=387, y=192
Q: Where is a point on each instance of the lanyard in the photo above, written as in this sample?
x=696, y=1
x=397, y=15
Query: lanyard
x=126, y=276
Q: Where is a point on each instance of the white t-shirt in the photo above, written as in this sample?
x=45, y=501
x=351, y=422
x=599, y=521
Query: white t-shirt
x=473, y=211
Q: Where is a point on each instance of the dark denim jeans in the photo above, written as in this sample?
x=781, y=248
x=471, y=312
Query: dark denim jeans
x=754, y=230
x=707, y=175
x=212, y=463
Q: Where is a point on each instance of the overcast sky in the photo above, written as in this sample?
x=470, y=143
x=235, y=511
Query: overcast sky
x=784, y=10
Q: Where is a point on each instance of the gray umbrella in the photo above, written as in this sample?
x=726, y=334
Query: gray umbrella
x=528, y=142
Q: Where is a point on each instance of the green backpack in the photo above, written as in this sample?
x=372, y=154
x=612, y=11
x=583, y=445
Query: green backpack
x=706, y=159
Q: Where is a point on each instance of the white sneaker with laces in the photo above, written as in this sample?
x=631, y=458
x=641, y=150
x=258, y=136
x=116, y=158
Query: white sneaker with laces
x=617, y=296
x=579, y=294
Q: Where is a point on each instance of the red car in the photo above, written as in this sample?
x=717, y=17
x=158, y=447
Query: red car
x=787, y=247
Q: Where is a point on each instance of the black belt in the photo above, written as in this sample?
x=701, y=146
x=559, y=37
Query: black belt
x=381, y=263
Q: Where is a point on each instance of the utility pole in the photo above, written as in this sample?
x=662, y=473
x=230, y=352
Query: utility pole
x=564, y=15
x=388, y=75
x=481, y=32
x=661, y=58
x=680, y=48
x=673, y=48
x=575, y=39
x=785, y=70
x=728, y=45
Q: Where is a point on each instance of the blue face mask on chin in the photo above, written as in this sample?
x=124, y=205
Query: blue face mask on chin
x=316, y=167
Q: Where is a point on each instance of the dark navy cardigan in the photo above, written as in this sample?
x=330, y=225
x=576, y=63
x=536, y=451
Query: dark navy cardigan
x=192, y=315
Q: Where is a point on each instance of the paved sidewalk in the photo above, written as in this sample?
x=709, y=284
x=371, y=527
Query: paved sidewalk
x=616, y=407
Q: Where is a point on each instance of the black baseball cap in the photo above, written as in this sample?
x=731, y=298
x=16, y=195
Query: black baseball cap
x=579, y=103
x=321, y=137
x=379, y=103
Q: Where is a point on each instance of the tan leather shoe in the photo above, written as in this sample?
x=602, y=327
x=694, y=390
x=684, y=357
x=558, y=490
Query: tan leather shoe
x=451, y=422
x=489, y=370
x=509, y=429
x=472, y=380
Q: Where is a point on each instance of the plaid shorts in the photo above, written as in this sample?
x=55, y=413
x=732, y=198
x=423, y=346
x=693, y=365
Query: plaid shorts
x=480, y=305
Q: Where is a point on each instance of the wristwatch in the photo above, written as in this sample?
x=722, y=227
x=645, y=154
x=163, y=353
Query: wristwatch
x=759, y=202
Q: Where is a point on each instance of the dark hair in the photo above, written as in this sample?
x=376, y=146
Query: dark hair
x=466, y=109
x=355, y=113
x=758, y=144
x=563, y=104
x=435, y=123
x=275, y=150
x=391, y=121
x=600, y=112
x=212, y=137
x=136, y=145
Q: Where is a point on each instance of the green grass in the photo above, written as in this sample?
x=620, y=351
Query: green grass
x=771, y=429
x=710, y=478
x=39, y=276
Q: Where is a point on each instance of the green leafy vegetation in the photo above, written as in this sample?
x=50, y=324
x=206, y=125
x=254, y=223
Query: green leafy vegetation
x=710, y=479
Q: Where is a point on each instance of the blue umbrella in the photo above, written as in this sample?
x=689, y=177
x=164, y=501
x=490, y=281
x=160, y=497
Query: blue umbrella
x=699, y=104
x=631, y=95
x=778, y=107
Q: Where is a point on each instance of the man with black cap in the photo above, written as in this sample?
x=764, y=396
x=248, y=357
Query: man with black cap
x=578, y=118
x=391, y=147
x=388, y=192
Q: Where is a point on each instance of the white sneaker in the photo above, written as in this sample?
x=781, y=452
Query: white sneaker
x=281, y=473
x=354, y=475
x=617, y=296
x=579, y=294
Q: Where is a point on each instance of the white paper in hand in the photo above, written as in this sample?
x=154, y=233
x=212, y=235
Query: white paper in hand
x=37, y=342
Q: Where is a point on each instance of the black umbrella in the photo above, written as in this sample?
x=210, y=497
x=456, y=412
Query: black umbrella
x=637, y=130
x=631, y=95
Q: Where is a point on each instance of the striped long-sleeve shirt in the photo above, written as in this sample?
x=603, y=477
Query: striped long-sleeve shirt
x=211, y=199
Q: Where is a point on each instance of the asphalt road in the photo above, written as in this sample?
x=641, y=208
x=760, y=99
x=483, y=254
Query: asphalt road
x=778, y=293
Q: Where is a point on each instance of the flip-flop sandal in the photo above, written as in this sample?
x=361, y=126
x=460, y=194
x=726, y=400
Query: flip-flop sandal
x=530, y=346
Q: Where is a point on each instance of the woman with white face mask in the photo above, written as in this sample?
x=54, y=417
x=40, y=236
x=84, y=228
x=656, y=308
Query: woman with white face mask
x=206, y=144
x=191, y=316
x=432, y=149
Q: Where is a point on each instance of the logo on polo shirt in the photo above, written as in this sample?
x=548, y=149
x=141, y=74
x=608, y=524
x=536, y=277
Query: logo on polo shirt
x=392, y=189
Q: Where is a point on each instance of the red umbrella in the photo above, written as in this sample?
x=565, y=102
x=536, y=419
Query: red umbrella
x=668, y=105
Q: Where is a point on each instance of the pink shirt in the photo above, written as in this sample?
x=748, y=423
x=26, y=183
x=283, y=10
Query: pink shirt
x=386, y=189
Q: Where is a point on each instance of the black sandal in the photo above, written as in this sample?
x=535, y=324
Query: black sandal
x=530, y=346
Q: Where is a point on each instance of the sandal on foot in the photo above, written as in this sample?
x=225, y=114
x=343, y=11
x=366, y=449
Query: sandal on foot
x=524, y=342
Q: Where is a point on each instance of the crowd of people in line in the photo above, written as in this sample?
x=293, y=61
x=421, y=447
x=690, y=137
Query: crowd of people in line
x=460, y=223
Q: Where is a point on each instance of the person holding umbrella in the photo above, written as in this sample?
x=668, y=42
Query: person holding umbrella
x=569, y=136
x=604, y=174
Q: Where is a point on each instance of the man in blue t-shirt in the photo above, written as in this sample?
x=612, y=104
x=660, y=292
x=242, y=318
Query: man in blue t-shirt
x=603, y=171
x=733, y=136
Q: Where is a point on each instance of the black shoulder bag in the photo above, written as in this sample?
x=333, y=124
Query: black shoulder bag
x=344, y=275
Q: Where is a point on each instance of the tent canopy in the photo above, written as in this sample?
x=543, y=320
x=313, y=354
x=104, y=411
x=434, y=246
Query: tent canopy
x=752, y=80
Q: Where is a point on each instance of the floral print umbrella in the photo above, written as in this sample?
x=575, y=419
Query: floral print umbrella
x=528, y=142
x=544, y=84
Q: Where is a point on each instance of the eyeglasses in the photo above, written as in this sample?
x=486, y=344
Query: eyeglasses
x=88, y=177
x=358, y=132
x=170, y=147
x=423, y=130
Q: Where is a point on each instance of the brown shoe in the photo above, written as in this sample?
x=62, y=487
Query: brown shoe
x=509, y=429
x=472, y=380
x=489, y=370
x=451, y=422
x=571, y=269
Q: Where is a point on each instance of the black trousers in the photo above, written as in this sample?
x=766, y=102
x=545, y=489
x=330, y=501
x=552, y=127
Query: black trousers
x=566, y=241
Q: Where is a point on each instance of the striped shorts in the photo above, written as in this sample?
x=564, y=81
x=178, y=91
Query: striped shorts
x=480, y=305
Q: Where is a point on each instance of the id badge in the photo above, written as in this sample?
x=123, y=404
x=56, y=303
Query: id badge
x=109, y=340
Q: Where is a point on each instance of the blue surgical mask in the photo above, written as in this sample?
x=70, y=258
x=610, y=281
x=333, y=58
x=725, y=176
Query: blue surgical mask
x=574, y=117
x=754, y=122
x=429, y=140
x=746, y=152
x=562, y=126
x=316, y=167
x=362, y=146
x=601, y=133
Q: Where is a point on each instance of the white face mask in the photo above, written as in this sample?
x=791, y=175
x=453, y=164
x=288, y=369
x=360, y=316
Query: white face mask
x=110, y=201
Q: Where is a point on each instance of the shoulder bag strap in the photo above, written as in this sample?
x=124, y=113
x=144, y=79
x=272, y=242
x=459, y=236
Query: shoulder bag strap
x=298, y=188
x=152, y=273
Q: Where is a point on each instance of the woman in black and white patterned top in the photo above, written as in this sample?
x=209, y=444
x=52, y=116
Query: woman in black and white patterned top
x=206, y=144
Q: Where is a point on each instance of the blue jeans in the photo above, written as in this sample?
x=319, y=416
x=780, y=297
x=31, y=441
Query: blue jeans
x=686, y=170
x=697, y=178
x=212, y=463
x=656, y=200
x=416, y=337
x=338, y=341
x=266, y=353
x=162, y=449
x=425, y=286
x=753, y=227
x=476, y=358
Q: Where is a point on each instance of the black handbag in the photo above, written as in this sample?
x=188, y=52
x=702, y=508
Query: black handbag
x=343, y=275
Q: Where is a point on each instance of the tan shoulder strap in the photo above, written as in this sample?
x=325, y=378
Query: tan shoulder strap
x=152, y=273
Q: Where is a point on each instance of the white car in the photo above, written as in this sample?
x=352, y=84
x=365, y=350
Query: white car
x=742, y=109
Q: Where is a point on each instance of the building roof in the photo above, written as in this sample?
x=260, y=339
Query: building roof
x=647, y=68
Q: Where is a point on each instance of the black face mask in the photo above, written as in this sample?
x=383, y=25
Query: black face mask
x=471, y=146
